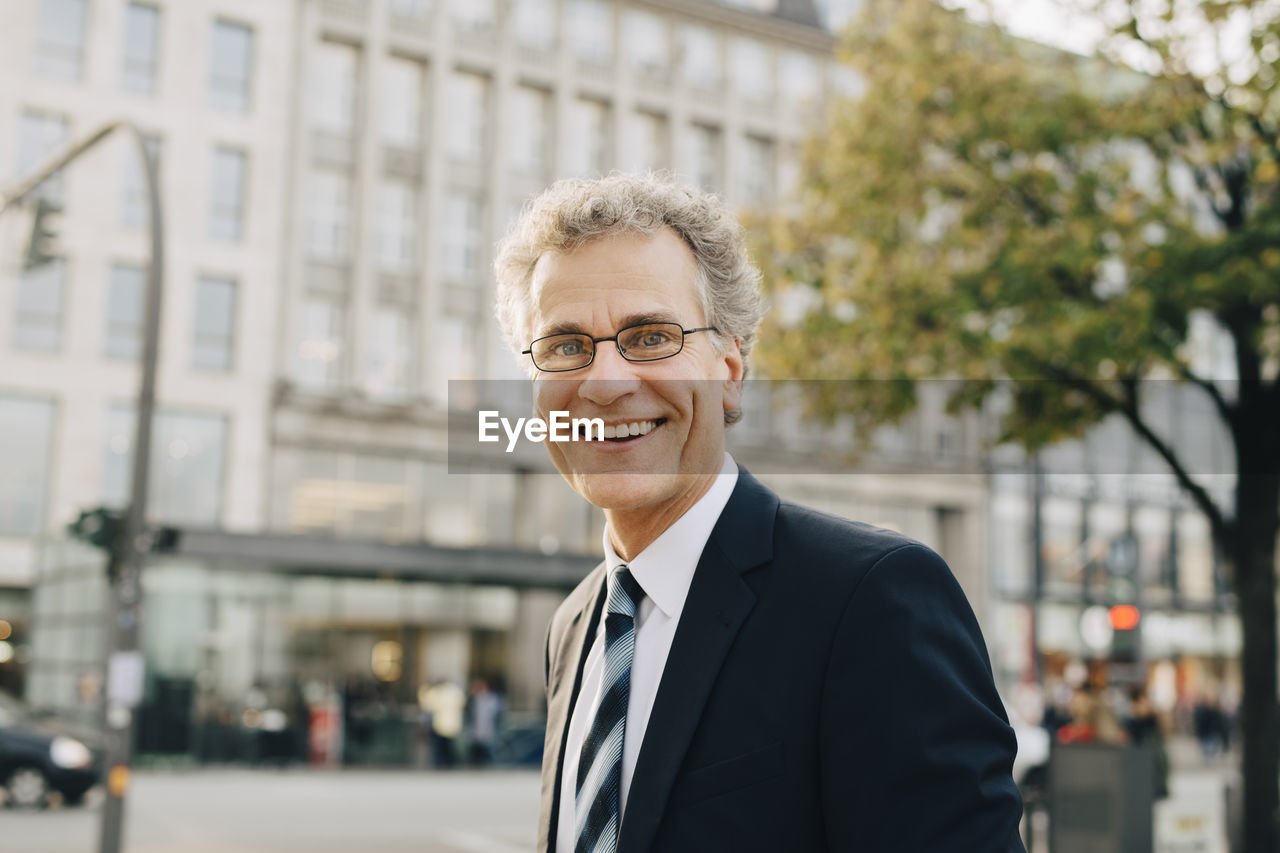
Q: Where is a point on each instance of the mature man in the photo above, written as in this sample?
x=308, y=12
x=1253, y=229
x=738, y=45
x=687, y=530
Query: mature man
x=740, y=673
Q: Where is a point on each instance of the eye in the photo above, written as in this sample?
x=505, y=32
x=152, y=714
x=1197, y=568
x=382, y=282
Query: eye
x=654, y=338
x=567, y=348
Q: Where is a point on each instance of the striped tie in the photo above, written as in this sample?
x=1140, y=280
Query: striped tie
x=598, y=811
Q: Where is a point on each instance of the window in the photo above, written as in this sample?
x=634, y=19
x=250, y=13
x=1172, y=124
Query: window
x=412, y=8
x=38, y=319
x=387, y=371
x=26, y=457
x=214, y=323
x=647, y=42
x=752, y=69
x=649, y=141
x=226, y=197
x=530, y=146
x=333, y=88
x=188, y=454
x=39, y=137
x=462, y=235
x=590, y=30
x=319, y=344
x=589, y=137
x=801, y=76
x=403, y=88
x=474, y=16
x=704, y=156
x=60, y=31
x=756, y=171
x=398, y=225
x=468, y=103
x=700, y=52
x=230, y=67
x=126, y=302
x=349, y=495
x=329, y=216
x=133, y=195
x=535, y=24
x=138, y=59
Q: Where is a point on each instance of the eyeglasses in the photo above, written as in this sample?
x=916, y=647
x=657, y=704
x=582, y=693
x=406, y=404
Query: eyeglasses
x=643, y=342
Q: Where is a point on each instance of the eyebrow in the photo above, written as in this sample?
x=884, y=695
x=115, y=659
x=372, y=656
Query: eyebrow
x=572, y=328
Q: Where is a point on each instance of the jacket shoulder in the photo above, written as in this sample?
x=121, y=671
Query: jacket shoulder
x=822, y=536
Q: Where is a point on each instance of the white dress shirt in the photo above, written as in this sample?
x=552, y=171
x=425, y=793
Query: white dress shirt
x=664, y=571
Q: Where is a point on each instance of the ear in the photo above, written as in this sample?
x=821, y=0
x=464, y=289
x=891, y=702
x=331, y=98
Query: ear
x=733, y=382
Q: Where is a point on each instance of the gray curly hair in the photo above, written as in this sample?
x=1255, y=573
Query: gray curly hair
x=571, y=213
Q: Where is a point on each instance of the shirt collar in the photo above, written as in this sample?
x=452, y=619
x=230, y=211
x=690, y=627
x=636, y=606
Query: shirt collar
x=665, y=568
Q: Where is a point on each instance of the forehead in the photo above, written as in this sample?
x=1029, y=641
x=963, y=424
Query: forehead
x=616, y=275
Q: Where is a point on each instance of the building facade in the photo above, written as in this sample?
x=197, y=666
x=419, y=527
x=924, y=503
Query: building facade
x=335, y=175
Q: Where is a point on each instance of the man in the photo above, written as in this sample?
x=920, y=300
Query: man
x=740, y=673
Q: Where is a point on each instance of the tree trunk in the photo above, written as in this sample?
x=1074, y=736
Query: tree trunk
x=1252, y=552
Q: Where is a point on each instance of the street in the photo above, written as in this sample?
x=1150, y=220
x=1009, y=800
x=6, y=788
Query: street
x=257, y=811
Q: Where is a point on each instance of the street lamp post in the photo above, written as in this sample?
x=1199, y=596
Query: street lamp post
x=124, y=659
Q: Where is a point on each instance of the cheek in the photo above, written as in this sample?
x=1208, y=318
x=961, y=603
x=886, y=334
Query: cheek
x=550, y=395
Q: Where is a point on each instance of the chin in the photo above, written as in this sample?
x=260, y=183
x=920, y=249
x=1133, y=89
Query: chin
x=624, y=490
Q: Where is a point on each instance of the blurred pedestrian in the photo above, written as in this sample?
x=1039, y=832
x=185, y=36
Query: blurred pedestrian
x=1145, y=730
x=1092, y=720
x=1207, y=721
x=445, y=702
x=484, y=711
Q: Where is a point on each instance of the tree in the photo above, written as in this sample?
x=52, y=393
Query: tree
x=989, y=209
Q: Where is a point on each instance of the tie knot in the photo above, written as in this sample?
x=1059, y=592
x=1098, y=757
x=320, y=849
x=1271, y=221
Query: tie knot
x=625, y=593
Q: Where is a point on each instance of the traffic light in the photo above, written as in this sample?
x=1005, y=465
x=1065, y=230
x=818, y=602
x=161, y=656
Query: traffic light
x=1125, y=619
x=42, y=248
x=99, y=527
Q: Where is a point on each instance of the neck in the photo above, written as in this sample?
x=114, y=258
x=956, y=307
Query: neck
x=633, y=530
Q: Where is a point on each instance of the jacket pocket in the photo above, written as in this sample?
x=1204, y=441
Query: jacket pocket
x=730, y=774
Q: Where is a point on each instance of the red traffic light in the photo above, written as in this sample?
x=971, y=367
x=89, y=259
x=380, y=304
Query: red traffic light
x=1124, y=617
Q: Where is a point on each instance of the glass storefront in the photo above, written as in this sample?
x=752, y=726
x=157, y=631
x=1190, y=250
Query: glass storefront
x=245, y=664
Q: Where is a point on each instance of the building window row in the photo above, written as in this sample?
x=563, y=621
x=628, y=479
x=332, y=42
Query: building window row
x=61, y=33
x=41, y=301
x=188, y=460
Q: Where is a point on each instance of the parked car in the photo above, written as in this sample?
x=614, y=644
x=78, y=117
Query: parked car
x=39, y=756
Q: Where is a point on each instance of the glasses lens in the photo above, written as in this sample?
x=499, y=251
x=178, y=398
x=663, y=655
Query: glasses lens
x=562, y=352
x=651, y=341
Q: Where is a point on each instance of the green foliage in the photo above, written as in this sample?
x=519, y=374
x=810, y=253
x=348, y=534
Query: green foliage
x=991, y=209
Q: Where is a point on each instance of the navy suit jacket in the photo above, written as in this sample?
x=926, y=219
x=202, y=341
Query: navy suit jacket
x=827, y=689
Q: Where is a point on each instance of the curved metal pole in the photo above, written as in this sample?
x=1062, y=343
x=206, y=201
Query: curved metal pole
x=124, y=663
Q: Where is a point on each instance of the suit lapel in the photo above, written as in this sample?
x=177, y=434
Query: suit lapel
x=717, y=605
x=563, y=685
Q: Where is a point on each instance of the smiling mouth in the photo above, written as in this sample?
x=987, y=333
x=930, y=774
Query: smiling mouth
x=622, y=433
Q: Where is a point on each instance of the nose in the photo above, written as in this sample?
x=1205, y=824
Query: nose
x=609, y=377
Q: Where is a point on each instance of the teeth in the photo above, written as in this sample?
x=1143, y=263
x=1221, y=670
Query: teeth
x=628, y=430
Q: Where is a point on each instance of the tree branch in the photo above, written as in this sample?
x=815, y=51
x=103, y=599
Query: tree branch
x=1129, y=408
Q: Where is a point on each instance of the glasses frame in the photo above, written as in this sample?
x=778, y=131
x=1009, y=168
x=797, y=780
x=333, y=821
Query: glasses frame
x=684, y=333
